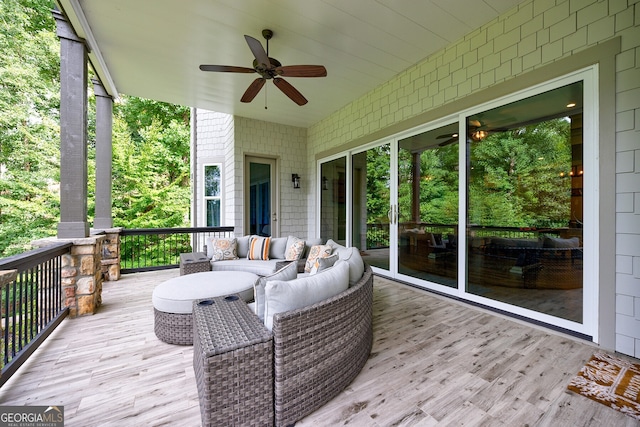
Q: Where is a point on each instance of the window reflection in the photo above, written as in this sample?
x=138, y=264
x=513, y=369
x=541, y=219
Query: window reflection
x=371, y=199
x=428, y=205
x=333, y=204
x=524, y=198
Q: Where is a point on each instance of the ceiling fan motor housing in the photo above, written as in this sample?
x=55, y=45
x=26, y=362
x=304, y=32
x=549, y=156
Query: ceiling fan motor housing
x=267, y=73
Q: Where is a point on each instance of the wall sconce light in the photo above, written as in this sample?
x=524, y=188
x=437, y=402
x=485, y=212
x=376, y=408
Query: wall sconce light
x=295, y=178
x=325, y=183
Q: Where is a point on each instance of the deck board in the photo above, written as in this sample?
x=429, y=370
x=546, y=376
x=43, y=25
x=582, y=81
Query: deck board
x=434, y=362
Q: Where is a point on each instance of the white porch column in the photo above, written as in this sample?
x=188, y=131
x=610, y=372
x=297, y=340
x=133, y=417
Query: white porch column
x=73, y=131
x=104, y=156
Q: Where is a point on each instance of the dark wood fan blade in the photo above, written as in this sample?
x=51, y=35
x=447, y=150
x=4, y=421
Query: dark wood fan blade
x=258, y=51
x=302, y=71
x=252, y=90
x=227, y=69
x=447, y=142
x=290, y=91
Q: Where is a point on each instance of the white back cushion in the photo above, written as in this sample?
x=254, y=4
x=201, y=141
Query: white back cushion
x=283, y=296
x=288, y=272
x=277, y=247
x=243, y=246
x=352, y=256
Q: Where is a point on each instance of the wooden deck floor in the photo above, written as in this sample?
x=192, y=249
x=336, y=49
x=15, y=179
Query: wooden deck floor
x=434, y=362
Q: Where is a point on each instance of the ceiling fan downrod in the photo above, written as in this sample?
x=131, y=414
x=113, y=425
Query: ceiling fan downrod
x=267, y=34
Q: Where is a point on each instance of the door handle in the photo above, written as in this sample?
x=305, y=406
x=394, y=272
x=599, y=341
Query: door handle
x=392, y=214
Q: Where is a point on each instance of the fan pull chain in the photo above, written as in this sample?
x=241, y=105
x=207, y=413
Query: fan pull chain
x=265, y=96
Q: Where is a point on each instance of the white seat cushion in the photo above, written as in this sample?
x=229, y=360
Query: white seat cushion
x=177, y=295
x=259, y=267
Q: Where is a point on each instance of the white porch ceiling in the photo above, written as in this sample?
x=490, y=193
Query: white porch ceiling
x=152, y=48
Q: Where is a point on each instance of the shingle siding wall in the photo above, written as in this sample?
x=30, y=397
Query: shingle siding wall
x=530, y=36
x=215, y=140
x=286, y=144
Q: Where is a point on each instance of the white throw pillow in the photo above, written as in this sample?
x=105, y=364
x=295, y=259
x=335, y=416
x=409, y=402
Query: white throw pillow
x=281, y=296
x=288, y=272
x=323, y=263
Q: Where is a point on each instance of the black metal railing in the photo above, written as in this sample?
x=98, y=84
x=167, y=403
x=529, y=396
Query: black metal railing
x=148, y=249
x=377, y=236
x=32, y=304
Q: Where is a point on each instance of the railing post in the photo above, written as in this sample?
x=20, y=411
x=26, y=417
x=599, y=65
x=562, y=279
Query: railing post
x=7, y=276
x=111, y=254
x=81, y=274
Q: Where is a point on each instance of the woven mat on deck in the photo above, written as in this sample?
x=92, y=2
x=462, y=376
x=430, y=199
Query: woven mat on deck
x=612, y=381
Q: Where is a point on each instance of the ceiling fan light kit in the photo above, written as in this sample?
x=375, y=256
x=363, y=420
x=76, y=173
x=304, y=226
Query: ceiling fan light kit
x=270, y=69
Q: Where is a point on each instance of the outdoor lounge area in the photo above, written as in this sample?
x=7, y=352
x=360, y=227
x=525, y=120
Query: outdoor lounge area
x=434, y=361
x=484, y=163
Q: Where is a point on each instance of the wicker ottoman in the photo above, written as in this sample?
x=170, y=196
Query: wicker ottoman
x=173, y=300
x=233, y=363
x=194, y=262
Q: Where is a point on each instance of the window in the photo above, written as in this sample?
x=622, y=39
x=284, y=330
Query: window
x=212, y=194
x=525, y=210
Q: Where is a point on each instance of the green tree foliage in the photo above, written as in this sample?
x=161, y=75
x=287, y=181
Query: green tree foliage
x=150, y=164
x=378, y=184
x=29, y=108
x=150, y=140
x=515, y=177
x=438, y=185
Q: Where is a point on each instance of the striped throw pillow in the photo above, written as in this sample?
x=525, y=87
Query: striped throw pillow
x=259, y=248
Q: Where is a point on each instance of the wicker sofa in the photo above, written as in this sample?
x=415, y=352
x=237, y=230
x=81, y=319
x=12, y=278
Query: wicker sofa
x=238, y=261
x=320, y=349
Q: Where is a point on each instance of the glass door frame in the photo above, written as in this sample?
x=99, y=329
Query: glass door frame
x=273, y=190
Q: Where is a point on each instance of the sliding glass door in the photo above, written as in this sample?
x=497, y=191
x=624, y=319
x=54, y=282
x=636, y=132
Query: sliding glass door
x=428, y=205
x=371, y=200
x=525, y=212
x=492, y=205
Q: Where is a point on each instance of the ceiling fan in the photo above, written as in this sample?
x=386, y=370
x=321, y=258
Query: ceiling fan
x=477, y=131
x=270, y=69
